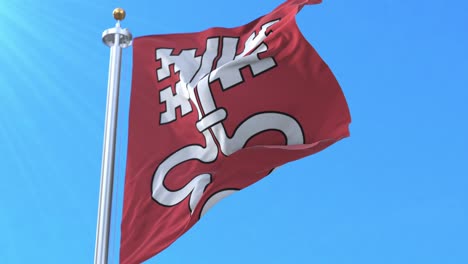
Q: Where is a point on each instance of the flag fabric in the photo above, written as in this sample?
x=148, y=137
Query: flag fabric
x=214, y=112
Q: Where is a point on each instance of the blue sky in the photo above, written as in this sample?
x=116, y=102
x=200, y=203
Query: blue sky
x=394, y=192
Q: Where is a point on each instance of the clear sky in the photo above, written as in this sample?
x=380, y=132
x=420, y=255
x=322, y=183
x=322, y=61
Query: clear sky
x=396, y=191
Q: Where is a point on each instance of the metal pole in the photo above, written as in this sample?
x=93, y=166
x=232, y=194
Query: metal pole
x=116, y=38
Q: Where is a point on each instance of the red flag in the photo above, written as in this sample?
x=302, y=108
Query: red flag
x=215, y=111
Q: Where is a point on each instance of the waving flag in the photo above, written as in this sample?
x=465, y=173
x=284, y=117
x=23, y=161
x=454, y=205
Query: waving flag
x=212, y=113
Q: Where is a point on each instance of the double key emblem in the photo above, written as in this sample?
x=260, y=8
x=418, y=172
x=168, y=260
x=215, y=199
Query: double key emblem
x=196, y=72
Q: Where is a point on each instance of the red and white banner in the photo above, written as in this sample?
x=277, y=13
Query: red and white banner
x=212, y=113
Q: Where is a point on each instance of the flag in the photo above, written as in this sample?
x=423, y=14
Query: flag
x=216, y=111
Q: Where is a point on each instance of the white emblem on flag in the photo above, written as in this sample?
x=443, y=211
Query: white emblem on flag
x=196, y=72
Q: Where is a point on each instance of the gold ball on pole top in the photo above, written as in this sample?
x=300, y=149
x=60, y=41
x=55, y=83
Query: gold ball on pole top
x=109, y=36
x=119, y=14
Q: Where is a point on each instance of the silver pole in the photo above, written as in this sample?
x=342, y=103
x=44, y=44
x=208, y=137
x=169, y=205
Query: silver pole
x=116, y=38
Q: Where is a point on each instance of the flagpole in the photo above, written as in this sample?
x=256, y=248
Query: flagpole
x=116, y=38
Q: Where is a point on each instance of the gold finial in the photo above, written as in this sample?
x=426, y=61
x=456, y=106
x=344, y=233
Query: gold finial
x=119, y=14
